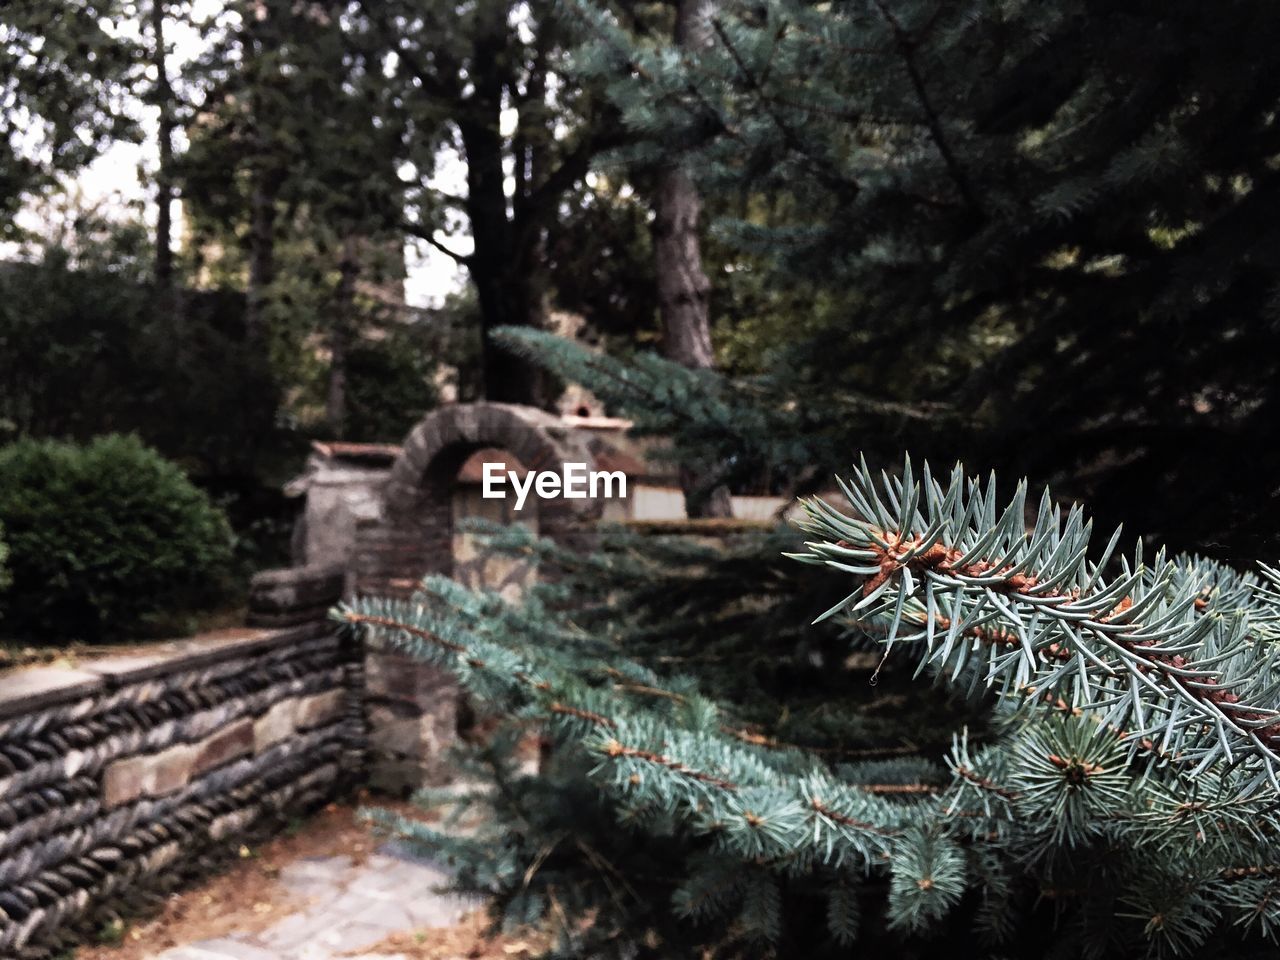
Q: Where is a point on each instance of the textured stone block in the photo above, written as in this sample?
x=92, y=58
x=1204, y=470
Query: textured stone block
x=389, y=675
x=168, y=771
x=287, y=717
x=321, y=708
x=396, y=738
x=235, y=740
x=22, y=691
x=149, y=775
x=230, y=824
x=295, y=587
x=276, y=725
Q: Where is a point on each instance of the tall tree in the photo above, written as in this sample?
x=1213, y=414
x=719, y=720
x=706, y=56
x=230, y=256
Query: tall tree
x=294, y=151
x=1019, y=217
x=340, y=338
x=684, y=292
x=265, y=116
x=480, y=82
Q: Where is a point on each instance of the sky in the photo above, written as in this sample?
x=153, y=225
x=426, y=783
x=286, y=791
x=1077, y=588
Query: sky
x=114, y=178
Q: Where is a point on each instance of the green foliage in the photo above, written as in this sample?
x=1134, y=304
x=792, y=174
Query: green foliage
x=732, y=430
x=102, y=538
x=1024, y=214
x=1118, y=799
x=63, y=70
x=190, y=387
x=390, y=385
x=1173, y=649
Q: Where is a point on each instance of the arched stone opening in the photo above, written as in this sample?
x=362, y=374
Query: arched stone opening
x=415, y=534
x=414, y=709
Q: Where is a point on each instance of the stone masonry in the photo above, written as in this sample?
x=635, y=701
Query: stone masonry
x=413, y=707
x=412, y=534
x=128, y=777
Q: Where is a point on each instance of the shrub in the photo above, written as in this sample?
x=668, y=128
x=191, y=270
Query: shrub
x=103, y=537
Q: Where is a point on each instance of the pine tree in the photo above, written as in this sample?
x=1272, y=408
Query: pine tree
x=1109, y=788
x=1053, y=222
x=1049, y=227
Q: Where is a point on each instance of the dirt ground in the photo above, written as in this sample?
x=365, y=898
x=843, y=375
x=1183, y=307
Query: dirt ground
x=246, y=898
x=466, y=939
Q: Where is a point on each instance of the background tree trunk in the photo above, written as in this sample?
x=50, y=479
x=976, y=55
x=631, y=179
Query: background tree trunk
x=501, y=266
x=342, y=330
x=164, y=175
x=683, y=288
x=265, y=182
x=262, y=260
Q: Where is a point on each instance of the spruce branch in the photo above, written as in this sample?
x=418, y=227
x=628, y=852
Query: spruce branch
x=1178, y=652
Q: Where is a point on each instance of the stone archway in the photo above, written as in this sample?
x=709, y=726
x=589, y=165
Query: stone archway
x=414, y=535
x=414, y=709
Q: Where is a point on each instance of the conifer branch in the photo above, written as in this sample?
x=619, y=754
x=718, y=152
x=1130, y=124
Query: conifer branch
x=938, y=564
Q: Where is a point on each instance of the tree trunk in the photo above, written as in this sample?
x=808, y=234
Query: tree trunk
x=502, y=273
x=164, y=175
x=262, y=257
x=341, y=333
x=683, y=288
x=264, y=185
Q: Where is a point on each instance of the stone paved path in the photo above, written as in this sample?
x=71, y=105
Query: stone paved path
x=349, y=908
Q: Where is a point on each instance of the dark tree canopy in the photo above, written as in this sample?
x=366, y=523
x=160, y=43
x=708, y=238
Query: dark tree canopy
x=1056, y=221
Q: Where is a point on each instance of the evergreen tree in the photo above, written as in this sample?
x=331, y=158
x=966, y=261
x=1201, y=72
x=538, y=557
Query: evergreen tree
x=293, y=193
x=713, y=788
x=1054, y=223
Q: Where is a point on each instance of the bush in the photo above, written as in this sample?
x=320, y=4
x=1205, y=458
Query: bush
x=102, y=538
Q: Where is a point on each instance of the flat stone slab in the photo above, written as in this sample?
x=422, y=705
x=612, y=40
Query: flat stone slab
x=221, y=949
x=344, y=908
x=33, y=688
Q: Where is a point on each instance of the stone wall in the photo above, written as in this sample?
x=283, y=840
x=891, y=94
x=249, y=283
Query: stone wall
x=411, y=708
x=295, y=595
x=127, y=777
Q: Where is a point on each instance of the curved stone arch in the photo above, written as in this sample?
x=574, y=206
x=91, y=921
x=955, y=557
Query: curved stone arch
x=442, y=441
x=414, y=534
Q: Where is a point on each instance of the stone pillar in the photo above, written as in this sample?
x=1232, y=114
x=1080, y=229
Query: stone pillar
x=295, y=595
x=412, y=708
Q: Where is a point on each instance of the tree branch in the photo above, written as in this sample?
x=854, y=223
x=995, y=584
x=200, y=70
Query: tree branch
x=422, y=233
x=906, y=47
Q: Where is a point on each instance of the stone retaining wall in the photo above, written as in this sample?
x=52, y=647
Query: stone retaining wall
x=411, y=707
x=127, y=777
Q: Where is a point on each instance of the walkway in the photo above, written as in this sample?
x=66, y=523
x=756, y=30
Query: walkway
x=349, y=908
